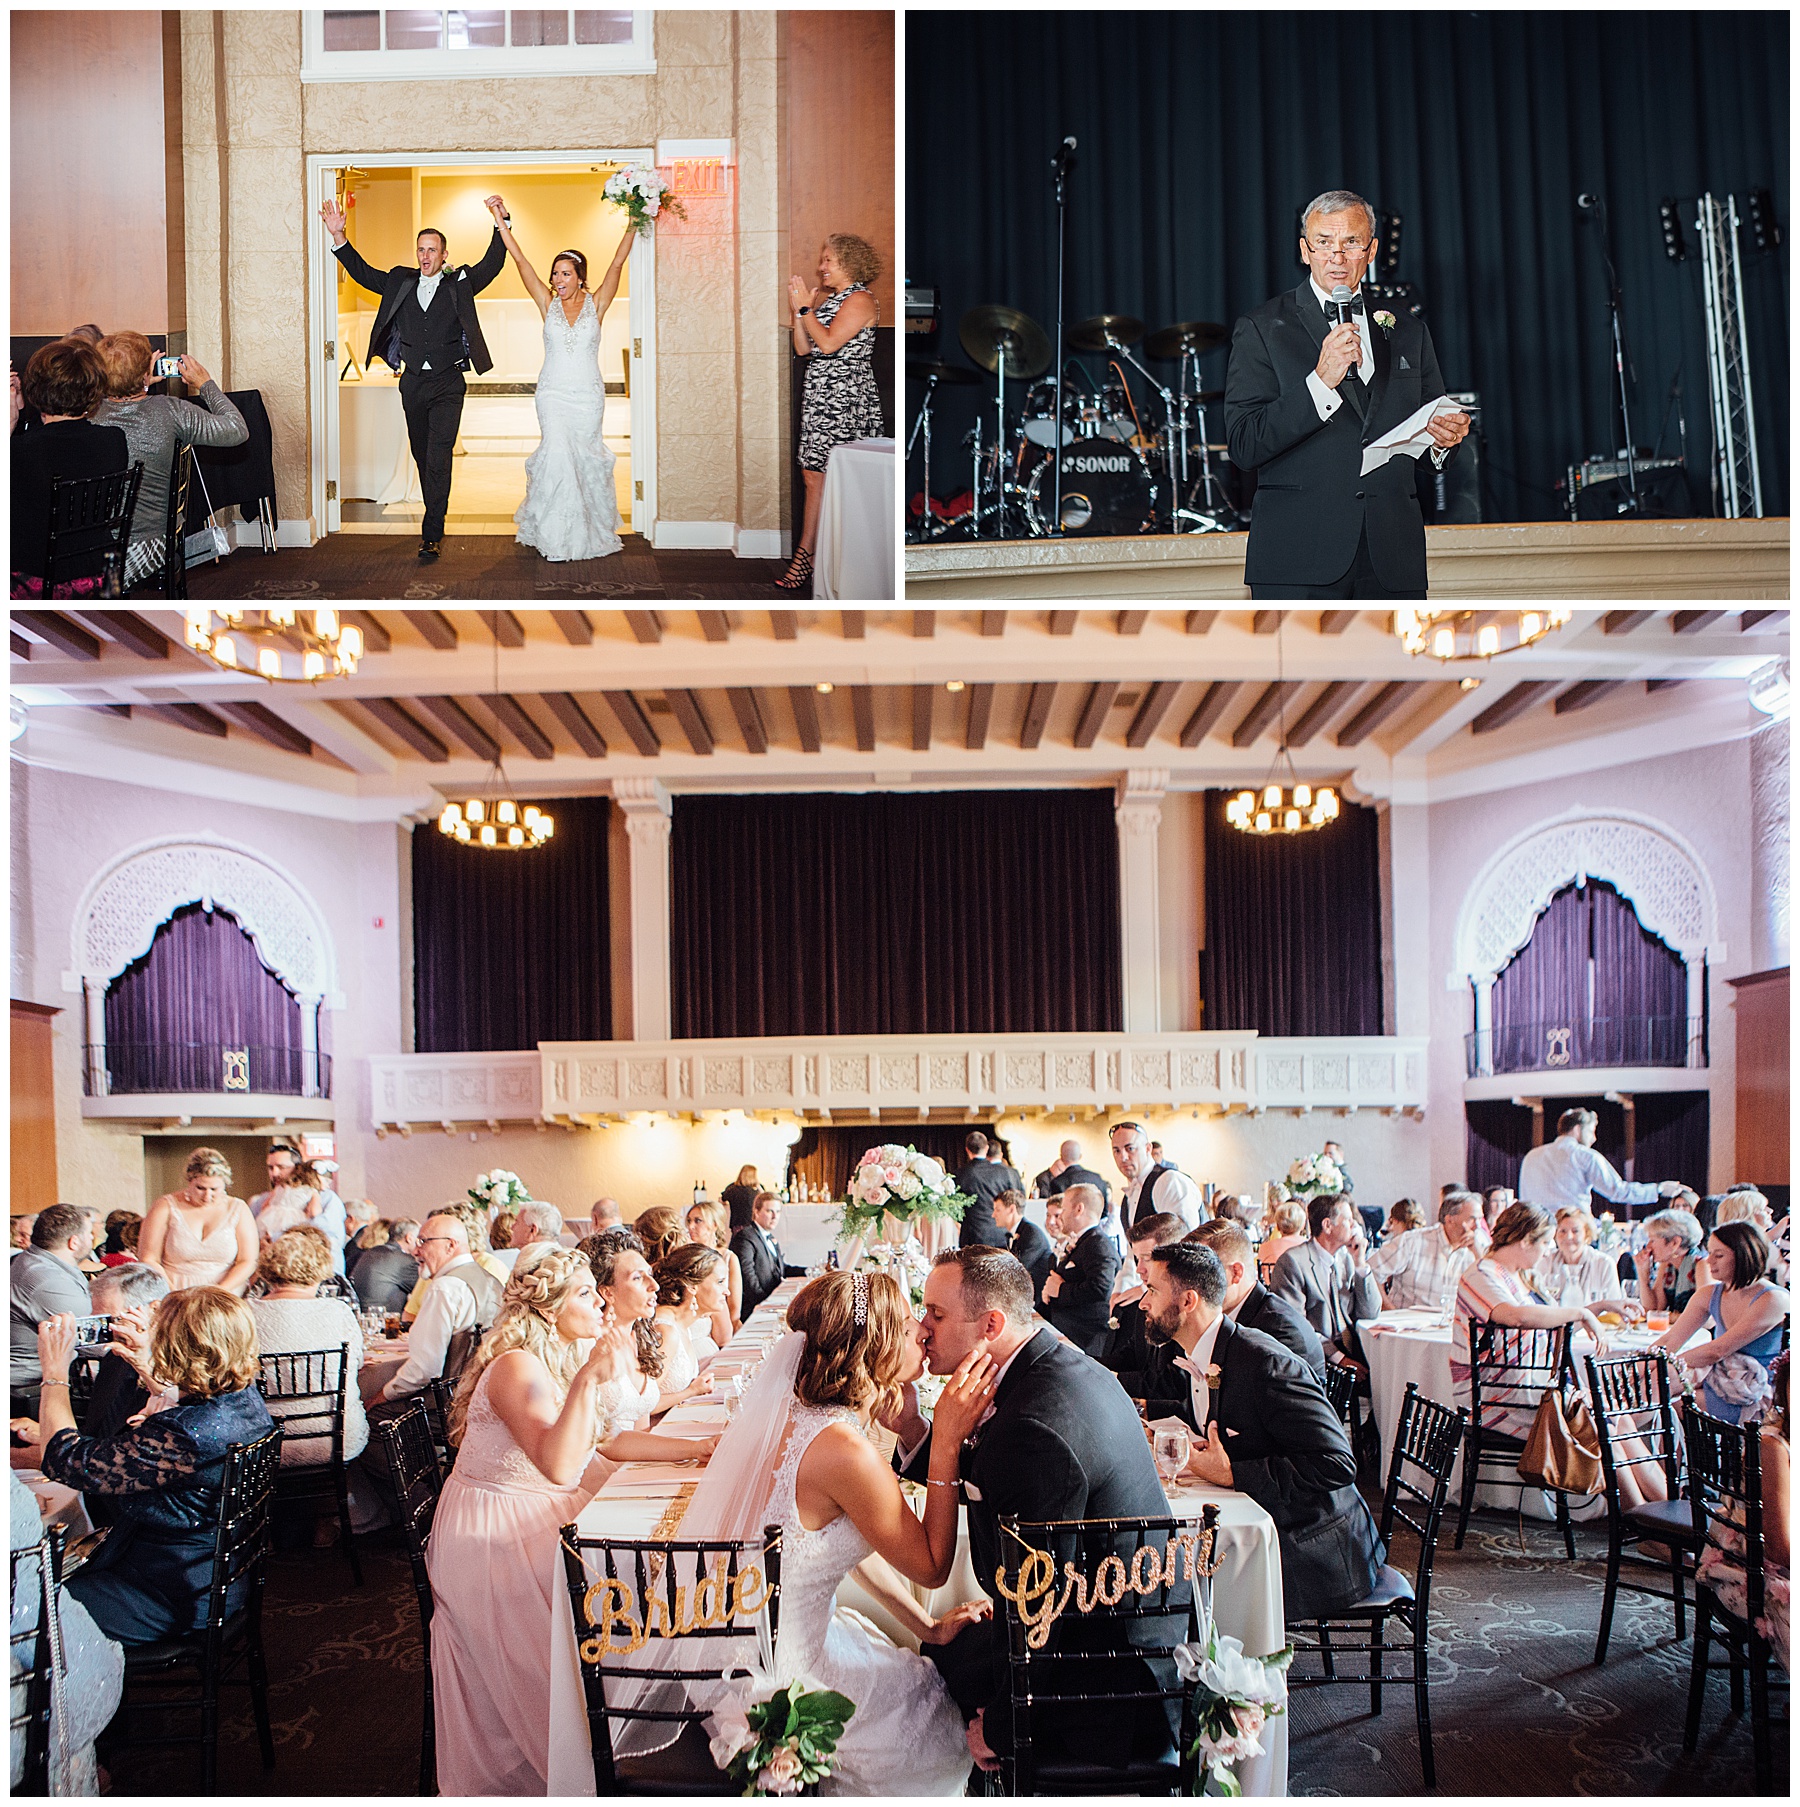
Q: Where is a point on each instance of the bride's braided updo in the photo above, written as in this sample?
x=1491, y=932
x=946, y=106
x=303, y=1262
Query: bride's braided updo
x=847, y=1362
x=529, y=1308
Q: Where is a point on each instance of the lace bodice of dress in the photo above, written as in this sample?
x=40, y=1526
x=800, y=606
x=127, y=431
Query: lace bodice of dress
x=681, y=1365
x=571, y=353
x=812, y=1562
x=489, y=1457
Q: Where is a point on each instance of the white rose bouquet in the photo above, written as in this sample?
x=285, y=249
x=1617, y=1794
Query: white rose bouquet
x=499, y=1190
x=1238, y=1696
x=1313, y=1173
x=778, y=1737
x=901, y=1183
x=642, y=192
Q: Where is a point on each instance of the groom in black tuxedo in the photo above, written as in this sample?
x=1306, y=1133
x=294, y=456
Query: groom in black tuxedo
x=758, y=1253
x=426, y=328
x=1303, y=398
x=1060, y=1441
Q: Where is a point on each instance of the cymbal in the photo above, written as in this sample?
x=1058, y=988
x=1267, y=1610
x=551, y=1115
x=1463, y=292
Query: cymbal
x=924, y=368
x=984, y=330
x=1186, y=335
x=1105, y=331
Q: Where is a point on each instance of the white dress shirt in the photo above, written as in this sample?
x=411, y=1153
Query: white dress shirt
x=449, y=1306
x=1196, y=1366
x=1566, y=1172
x=1174, y=1192
x=1326, y=399
x=1419, y=1267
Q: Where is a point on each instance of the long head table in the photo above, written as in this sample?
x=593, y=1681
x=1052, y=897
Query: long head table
x=640, y=1497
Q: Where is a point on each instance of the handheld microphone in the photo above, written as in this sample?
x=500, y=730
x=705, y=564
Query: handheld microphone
x=1060, y=160
x=1340, y=305
x=1068, y=143
x=1587, y=203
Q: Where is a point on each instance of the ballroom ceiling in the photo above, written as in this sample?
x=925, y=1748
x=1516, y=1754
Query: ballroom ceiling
x=722, y=699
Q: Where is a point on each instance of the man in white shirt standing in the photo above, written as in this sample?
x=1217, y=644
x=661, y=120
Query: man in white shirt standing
x=1420, y=1267
x=282, y=1159
x=1150, y=1188
x=462, y=1296
x=1570, y=1170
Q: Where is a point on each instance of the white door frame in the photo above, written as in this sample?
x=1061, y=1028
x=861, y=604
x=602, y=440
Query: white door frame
x=321, y=315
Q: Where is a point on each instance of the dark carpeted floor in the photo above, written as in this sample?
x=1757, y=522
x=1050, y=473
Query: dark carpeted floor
x=375, y=567
x=1517, y=1706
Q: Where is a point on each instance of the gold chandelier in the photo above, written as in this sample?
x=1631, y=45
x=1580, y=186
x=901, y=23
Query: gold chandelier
x=1293, y=807
x=286, y=646
x=1475, y=633
x=497, y=822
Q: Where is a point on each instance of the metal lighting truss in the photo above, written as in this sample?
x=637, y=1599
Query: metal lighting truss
x=1735, y=467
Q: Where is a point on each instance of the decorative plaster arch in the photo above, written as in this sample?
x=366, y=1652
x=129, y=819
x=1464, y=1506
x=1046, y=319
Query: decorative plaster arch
x=1646, y=861
x=137, y=891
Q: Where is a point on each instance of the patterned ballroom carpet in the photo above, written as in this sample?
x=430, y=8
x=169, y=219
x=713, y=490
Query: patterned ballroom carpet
x=1517, y=1707
x=377, y=567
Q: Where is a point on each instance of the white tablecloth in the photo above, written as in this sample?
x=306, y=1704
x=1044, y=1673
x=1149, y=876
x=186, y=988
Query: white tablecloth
x=855, y=557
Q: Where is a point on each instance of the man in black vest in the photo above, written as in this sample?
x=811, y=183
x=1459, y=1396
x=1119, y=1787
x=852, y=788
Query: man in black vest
x=1304, y=399
x=426, y=323
x=1150, y=1188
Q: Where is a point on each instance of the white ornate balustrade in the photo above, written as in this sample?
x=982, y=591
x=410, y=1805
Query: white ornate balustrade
x=868, y=1078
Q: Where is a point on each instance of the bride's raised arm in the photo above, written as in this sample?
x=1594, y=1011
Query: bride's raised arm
x=534, y=285
x=609, y=283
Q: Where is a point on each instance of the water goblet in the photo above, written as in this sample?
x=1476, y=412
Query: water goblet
x=1170, y=1449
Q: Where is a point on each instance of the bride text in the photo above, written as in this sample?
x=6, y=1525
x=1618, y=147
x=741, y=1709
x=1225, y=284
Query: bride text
x=714, y=1601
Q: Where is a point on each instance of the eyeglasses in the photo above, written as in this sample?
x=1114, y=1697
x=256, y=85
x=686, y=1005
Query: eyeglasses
x=425, y=1239
x=1353, y=247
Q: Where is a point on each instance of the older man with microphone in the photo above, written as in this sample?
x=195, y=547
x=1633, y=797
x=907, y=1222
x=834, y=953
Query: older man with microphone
x=1316, y=379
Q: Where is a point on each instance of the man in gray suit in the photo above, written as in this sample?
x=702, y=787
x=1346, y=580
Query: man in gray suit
x=46, y=1279
x=1328, y=1279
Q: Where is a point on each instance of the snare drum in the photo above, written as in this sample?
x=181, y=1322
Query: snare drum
x=1040, y=415
x=1106, y=488
x=1116, y=419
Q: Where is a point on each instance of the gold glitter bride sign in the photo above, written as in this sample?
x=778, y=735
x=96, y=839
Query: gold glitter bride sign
x=715, y=1599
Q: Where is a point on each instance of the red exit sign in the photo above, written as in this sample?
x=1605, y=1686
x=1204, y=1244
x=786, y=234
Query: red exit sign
x=699, y=178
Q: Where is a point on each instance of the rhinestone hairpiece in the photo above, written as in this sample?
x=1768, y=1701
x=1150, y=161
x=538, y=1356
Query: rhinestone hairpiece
x=859, y=1299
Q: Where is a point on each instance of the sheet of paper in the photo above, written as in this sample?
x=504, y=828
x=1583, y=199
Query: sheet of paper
x=1409, y=438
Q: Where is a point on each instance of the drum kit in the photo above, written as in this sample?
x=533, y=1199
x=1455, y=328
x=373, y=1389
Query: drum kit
x=1119, y=473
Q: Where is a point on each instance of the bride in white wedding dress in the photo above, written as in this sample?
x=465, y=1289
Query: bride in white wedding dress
x=571, y=509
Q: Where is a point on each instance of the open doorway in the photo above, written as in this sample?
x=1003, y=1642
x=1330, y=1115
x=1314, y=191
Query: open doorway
x=364, y=477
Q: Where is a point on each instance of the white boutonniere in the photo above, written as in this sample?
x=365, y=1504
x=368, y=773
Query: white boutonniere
x=1384, y=320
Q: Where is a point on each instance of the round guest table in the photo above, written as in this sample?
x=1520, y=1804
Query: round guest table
x=383, y=1358
x=639, y=1497
x=856, y=524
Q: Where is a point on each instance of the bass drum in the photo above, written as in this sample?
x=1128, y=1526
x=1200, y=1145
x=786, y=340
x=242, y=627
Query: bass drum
x=1106, y=488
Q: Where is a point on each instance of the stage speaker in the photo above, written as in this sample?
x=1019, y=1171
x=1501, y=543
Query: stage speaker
x=1662, y=485
x=1452, y=497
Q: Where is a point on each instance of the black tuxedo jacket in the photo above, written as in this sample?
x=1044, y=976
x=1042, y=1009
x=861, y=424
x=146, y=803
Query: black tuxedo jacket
x=1036, y=1256
x=1063, y=1443
x=1087, y=1271
x=1263, y=1310
x=763, y=1272
x=984, y=1181
x=1290, y=1453
x=464, y=281
x=1081, y=1176
x=1312, y=501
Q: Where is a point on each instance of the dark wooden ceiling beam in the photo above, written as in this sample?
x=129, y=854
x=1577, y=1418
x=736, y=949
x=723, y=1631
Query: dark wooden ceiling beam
x=576, y=719
x=924, y=623
x=375, y=636
x=1093, y=716
x=1334, y=621
x=686, y=704
x=191, y=716
x=1589, y=691
x=1511, y=706
x=1062, y=621
x=862, y=709
x=852, y=623
x=449, y=713
x=21, y=649
x=397, y=721
x=1199, y=621
x=715, y=624
x=981, y=715
x=130, y=631
x=576, y=628
x=265, y=724
x=1694, y=621
x=505, y=626
x=1131, y=621
x=1624, y=621
x=1037, y=713
x=1265, y=621
x=437, y=629
x=1320, y=710
x=1653, y=685
x=784, y=624
x=1754, y=618
x=1211, y=707
x=923, y=697
x=1159, y=699
x=68, y=637
x=510, y=713
x=1260, y=713
x=805, y=701
x=646, y=626
x=749, y=718
x=121, y=710
x=1374, y=712
x=993, y=623
x=637, y=725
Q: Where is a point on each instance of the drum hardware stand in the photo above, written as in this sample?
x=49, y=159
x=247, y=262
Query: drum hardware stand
x=1177, y=430
x=1208, y=519
x=922, y=424
x=1631, y=505
x=1060, y=162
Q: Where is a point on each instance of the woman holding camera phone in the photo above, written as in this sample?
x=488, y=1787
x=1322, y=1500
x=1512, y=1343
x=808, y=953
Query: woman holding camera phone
x=157, y=426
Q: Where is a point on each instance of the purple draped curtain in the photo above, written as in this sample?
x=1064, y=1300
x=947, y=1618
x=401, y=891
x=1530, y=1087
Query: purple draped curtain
x=202, y=988
x=1293, y=927
x=908, y=914
x=1674, y=1137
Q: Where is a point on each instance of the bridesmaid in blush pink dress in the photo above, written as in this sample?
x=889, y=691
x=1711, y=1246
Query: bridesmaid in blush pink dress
x=529, y=1412
x=201, y=1235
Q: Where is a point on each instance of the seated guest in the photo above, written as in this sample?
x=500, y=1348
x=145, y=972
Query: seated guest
x=359, y=1214
x=1671, y=1266
x=65, y=381
x=1419, y=1267
x=386, y=1272
x=23, y=1223
x=462, y=1297
x=690, y=1288
x=291, y=1317
x=660, y=1229
x=527, y=1418
x=1265, y=1427
x=758, y=1253
x=1144, y=1372
x=1025, y=1241
x=1250, y=1304
x=46, y=1280
x=474, y=1222
x=707, y=1223
x=1747, y=1205
x=161, y=1478
x=1746, y=1313
x=536, y=1225
x=500, y=1232
x=1573, y=1273
x=628, y=1289
x=120, y=1246
x=738, y=1198
x=1078, y=1295
x=1327, y=1278
x=605, y=1215
x=1289, y=1223
x=128, y=1295
x=155, y=426
x=1403, y=1215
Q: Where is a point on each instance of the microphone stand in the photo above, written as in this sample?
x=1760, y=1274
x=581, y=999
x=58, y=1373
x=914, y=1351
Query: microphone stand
x=923, y=423
x=1613, y=303
x=1060, y=162
x=1169, y=437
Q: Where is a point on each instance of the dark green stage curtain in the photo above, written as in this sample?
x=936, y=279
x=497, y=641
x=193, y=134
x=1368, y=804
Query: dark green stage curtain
x=511, y=949
x=1201, y=133
x=900, y=914
x=1293, y=927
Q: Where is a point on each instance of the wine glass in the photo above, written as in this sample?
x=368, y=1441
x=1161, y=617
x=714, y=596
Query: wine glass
x=1170, y=1449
